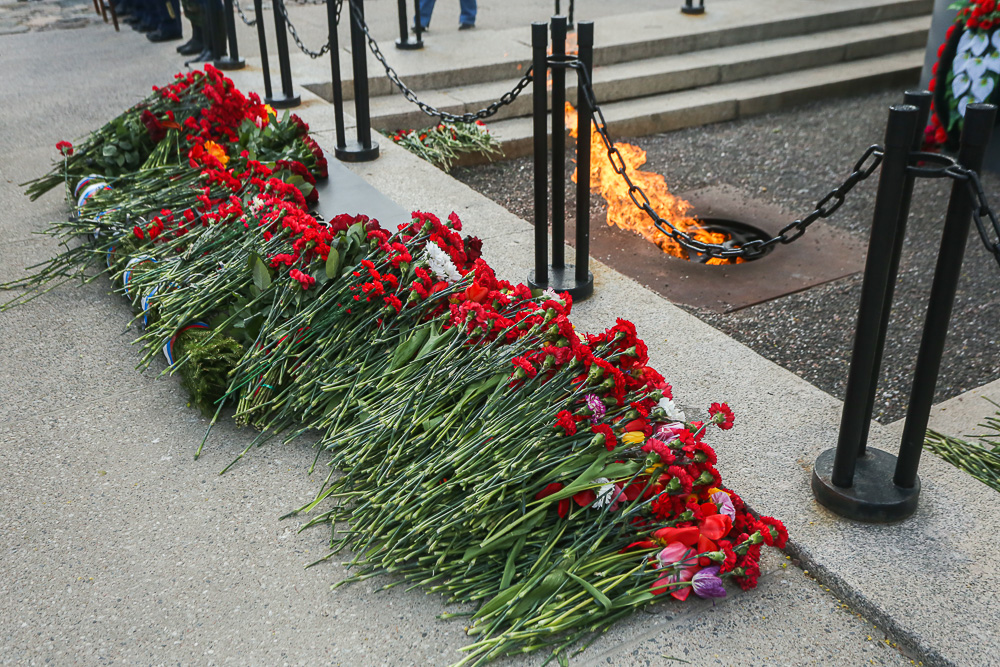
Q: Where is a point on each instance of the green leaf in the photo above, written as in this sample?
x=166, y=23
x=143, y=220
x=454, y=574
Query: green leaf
x=499, y=601
x=601, y=598
x=109, y=150
x=261, y=274
x=333, y=263
x=585, y=479
x=510, y=566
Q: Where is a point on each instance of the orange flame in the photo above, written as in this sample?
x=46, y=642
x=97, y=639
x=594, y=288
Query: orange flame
x=624, y=213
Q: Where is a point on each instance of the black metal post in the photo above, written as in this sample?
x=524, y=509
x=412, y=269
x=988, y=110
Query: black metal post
x=336, y=85
x=404, y=36
x=689, y=7
x=364, y=149
x=288, y=97
x=978, y=127
x=856, y=487
x=584, y=121
x=539, y=44
x=922, y=100
x=233, y=60
x=558, y=143
x=561, y=277
x=262, y=39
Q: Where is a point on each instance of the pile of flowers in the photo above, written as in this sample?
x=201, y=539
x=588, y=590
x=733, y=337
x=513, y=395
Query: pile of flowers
x=967, y=70
x=443, y=143
x=489, y=451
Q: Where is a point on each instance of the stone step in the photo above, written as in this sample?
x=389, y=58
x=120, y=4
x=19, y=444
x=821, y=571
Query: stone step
x=666, y=74
x=504, y=55
x=728, y=101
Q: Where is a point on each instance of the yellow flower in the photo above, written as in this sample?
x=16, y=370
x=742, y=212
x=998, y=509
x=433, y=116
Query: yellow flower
x=634, y=437
x=217, y=151
x=270, y=110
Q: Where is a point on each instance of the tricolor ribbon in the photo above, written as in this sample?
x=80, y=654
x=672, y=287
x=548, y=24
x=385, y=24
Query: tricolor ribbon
x=89, y=191
x=127, y=276
x=168, y=349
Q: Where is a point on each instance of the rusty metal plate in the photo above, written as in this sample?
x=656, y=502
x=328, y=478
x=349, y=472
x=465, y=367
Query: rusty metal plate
x=821, y=255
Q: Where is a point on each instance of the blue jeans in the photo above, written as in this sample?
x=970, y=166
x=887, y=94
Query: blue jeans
x=466, y=17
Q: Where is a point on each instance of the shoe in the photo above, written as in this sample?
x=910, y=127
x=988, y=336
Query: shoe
x=414, y=29
x=160, y=35
x=191, y=47
x=203, y=57
x=467, y=26
x=144, y=27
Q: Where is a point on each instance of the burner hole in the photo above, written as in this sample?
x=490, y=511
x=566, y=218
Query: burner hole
x=739, y=233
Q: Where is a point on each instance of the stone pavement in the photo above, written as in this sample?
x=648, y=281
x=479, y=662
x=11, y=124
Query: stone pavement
x=119, y=548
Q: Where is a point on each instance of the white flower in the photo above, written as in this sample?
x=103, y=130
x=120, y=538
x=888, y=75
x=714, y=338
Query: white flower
x=673, y=412
x=441, y=264
x=256, y=204
x=550, y=293
x=606, y=494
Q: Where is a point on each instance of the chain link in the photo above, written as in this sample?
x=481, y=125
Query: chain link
x=951, y=169
x=243, y=17
x=295, y=33
x=482, y=114
x=863, y=168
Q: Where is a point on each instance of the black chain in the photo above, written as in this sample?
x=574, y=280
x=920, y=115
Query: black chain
x=243, y=17
x=482, y=114
x=863, y=168
x=295, y=33
x=951, y=169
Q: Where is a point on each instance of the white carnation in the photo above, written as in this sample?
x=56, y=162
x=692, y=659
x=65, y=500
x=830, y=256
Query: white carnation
x=441, y=264
x=673, y=412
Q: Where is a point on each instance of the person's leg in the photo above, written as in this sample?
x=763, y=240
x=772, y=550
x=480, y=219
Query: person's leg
x=467, y=17
x=426, y=7
x=169, y=26
x=192, y=11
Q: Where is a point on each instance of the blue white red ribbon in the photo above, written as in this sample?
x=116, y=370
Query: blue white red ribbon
x=168, y=349
x=127, y=276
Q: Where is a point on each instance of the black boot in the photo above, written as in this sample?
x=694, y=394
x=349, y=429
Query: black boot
x=193, y=45
x=203, y=57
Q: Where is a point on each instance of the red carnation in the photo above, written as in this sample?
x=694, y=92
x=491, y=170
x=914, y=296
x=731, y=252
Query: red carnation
x=65, y=147
x=773, y=531
x=609, y=436
x=722, y=416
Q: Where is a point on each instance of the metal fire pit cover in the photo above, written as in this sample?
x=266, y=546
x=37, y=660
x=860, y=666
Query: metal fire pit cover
x=821, y=255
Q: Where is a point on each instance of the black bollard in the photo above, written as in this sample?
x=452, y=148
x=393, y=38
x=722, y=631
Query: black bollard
x=558, y=143
x=336, y=85
x=288, y=97
x=233, y=60
x=979, y=120
x=860, y=487
x=262, y=40
x=922, y=100
x=364, y=149
x=584, y=121
x=539, y=44
x=691, y=9
x=561, y=277
x=404, y=42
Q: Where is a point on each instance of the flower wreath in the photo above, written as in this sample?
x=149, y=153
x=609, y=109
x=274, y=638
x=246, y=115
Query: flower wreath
x=967, y=70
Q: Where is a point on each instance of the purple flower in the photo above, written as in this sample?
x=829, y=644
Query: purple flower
x=596, y=406
x=707, y=584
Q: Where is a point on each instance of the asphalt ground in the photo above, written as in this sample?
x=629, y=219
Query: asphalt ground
x=791, y=159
